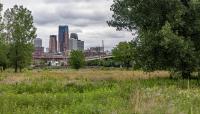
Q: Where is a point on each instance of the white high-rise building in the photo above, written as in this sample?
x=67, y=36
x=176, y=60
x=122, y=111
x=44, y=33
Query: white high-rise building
x=74, y=43
x=38, y=42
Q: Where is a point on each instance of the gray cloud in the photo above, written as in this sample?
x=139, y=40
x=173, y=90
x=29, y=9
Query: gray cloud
x=43, y=19
x=78, y=14
x=76, y=17
x=85, y=17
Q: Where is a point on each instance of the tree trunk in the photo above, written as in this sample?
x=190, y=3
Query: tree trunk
x=4, y=68
x=127, y=65
x=16, y=62
x=186, y=74
x=16, y=67
x=1, y=69
x=198, y=73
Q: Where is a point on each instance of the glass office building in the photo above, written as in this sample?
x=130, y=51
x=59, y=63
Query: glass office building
x=63, y=38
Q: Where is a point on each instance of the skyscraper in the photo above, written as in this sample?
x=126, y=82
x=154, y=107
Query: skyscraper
x=74, y=36
x=74, y=43
x=53, y=44
x=38, y=42
x=63, y=38
x=80, y=45
x=38, y=50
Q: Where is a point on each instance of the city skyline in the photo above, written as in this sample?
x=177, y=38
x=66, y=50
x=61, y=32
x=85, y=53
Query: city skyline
x=85, y=17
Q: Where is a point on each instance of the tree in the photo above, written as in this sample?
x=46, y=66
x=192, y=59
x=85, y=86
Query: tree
x=124, y=53
x=165, y=50
x=3, y=45
x=3, y=55
x=20, y=33
x=168, y=32
x=77, y=59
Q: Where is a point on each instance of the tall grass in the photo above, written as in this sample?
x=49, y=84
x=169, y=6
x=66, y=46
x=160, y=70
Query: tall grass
x=97, y=92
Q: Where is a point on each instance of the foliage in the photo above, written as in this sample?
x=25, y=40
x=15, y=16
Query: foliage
x=124, y=53
x=77, y=59
x=3, y=45
x=105, y=63
x=94, y=63
x=3, y=55
x=20, y=33
x=168, y=32
x=165, y=50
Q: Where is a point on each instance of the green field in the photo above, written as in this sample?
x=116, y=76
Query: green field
x=97, y=92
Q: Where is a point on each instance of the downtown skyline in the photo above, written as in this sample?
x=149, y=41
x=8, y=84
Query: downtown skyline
x=85, y=17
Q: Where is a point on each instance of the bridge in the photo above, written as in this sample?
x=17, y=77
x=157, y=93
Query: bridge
x=63, y=58
x=98, y=57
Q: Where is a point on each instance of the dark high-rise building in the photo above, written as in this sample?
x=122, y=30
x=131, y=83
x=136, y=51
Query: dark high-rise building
x=74, y=36
x=53, y=44
x=80, y=45
x=63, y=38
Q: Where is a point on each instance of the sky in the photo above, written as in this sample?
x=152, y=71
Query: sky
x=85, y=17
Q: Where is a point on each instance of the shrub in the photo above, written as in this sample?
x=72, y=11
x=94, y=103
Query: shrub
x=77, y=59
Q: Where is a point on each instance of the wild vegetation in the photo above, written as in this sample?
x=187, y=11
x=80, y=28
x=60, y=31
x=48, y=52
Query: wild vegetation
x=77, y=59
x=96, y=92
x=124, y=53
x=168, y=38
x=168, y=33
x=16, y=38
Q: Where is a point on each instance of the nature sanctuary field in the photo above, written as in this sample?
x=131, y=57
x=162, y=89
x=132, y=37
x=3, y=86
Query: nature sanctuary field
x=97, y=92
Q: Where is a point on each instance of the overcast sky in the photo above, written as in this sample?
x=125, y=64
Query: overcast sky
x=85, y=17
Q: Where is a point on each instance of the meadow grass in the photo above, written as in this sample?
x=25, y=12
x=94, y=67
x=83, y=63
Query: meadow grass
x=92, y=91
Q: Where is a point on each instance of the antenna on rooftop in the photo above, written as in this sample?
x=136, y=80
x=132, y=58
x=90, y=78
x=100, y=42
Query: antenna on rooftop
x=103, y=44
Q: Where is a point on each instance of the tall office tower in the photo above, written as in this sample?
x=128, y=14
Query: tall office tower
x=38, y=50
x=74, y=43
x=74, y=36
x=63, y=38
x=38, y=42
x=53, y=44
x=80, y=45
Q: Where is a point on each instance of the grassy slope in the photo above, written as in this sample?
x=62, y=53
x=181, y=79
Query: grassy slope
x=96, y=92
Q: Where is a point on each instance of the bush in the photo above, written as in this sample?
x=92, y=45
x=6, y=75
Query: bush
x=77, y=59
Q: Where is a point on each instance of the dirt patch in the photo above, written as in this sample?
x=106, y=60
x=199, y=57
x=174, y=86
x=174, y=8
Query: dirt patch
x=11, y=78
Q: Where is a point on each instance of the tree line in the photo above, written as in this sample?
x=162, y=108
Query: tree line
x=17, y=33
x=168, y=34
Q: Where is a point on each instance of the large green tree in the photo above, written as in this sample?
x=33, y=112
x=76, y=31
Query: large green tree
x=3, y=54
x=168, y=32
x=3, y=45
x=124, y=53
x=20, y=34
x=77, y=59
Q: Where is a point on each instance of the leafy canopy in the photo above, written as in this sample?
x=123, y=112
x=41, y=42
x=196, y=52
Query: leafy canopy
x=3, y=45
x=77, y=59
x=168, y=32
x=20, y=33
x=123, y=53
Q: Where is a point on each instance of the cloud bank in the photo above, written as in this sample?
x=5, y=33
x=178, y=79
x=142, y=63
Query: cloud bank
x=85, y=17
